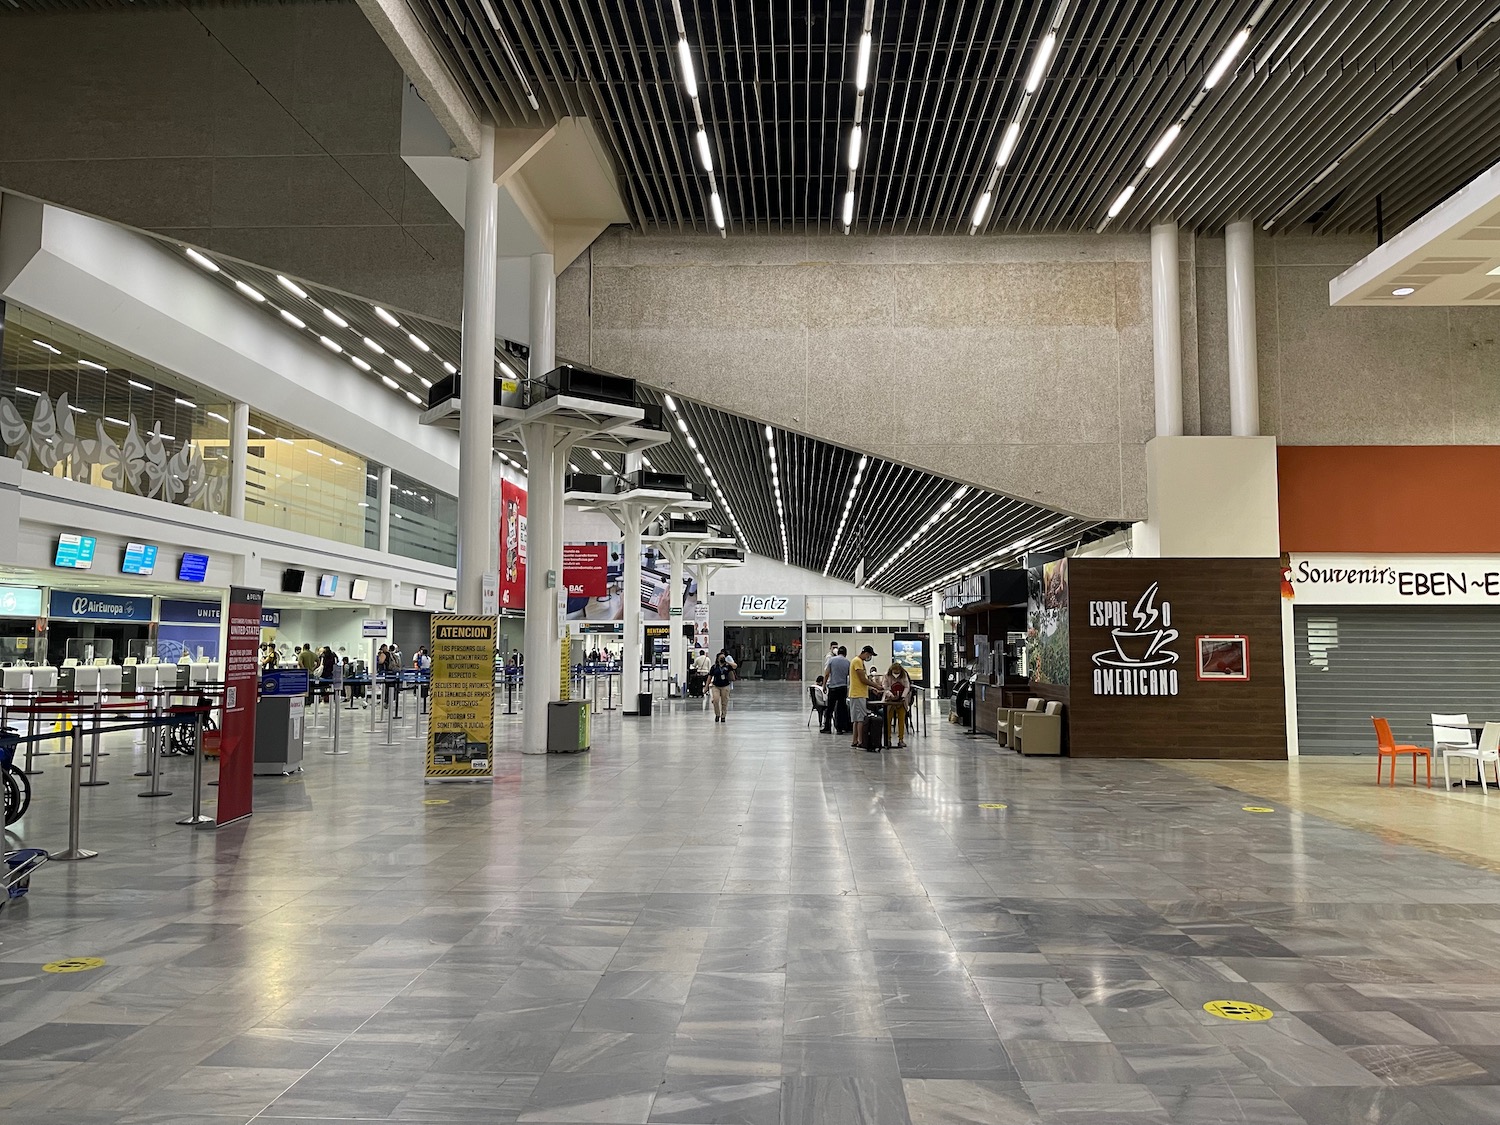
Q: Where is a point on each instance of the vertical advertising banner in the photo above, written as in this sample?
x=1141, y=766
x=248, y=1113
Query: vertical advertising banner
x=512, y=546
x=241, y=682
x=462, y=724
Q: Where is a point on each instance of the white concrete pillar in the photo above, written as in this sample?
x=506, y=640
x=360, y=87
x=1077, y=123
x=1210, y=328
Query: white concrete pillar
x=239, y=456
x=1166, y=329
x=1244, y=374
x=541, y=596
x=383, y=498
x=560, y=471
x=630, y=659
x=935, y=633
x=676, y=642
x=543, y=316
x=476, y=425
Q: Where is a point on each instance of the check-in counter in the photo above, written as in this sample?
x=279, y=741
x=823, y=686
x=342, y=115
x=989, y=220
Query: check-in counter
x=203, y=673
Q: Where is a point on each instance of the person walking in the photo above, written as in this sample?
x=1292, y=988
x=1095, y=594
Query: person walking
x=720, y=680
x=836, y=714
x=328, y=670
x=860, y=684
x=897, y=698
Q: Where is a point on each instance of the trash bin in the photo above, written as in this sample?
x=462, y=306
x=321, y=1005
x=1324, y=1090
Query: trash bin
x=643, y=704
x=567, y=726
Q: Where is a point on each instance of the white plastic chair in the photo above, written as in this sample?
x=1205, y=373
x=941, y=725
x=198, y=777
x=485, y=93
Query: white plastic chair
x=1488, y=749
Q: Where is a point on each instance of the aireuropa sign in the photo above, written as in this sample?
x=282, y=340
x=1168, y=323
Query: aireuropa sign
x=78, y=606
x=751, y=606
x=1395, y=580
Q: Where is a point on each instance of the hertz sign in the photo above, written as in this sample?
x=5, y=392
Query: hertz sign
x=762, y=607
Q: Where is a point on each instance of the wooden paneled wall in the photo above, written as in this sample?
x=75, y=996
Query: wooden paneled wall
x=1198, y=719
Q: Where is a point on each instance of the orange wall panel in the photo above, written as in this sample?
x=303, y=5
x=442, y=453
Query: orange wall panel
x=1380, y=499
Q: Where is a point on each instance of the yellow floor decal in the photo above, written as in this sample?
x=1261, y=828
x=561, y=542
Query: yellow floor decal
x=1238, y=1010
x=73, y=965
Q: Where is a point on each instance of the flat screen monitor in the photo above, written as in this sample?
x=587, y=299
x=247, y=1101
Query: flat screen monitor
x=194, y=568
x=419, y=596
x=140, y=558
x=76, y=552
x=450, y=602
x=359, y=590
x=328, y=585
x=291, y=581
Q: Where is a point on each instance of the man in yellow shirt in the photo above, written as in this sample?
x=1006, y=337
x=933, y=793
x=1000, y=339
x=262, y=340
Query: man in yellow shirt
x=860, y=684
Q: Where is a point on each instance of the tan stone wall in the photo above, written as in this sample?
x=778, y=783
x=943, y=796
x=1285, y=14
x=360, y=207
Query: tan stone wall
x=1355, y=376
x=1021, y=364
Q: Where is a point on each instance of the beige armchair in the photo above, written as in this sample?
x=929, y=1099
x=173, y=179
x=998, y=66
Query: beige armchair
x=1039, y=732
x=1005, y=720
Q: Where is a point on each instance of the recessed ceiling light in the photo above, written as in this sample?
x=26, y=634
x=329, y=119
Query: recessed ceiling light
x=416, y=400
x=256, y=430
x=1039, y=64
x=207, y=263
x=115, y=421
x=1008, y=143
x=1403, y=291
x=286, y=441
x=91, y=363
x=359, y=363
x=291, y=286
x=314, y=452
x=49, y=347
x=374, y=346
x=689, y=79
x=1120, y=200
x=389, y=382
x=29, y=391
x=417, y=342
x=404, y=367
x=449, y=368
x=250, y=291
x=717, y=205
x=385, y=316
x=862, y=63
x=218, y=417
x=331, y=345
x=1159, y=149
x=186, y=403
x=138, y=385
x=982, y=208
x=295, y=321
x=335, y=318
x=425, y=382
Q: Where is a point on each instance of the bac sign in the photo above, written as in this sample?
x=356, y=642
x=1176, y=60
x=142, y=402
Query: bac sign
x=762, y=607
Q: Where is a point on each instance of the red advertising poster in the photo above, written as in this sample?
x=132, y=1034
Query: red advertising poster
x=241, y=679
x=585, y=569
x=512, y=546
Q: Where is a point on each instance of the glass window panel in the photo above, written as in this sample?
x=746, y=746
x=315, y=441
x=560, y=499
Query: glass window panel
x=424, y=522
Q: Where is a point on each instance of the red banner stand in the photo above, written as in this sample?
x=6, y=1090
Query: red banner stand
x=241, y=691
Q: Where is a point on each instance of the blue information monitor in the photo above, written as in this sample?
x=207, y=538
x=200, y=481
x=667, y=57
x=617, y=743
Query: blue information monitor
x=140, y=558
x=75, y=551
x=194, y=568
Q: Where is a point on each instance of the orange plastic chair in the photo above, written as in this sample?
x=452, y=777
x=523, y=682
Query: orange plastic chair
x=1387, y=745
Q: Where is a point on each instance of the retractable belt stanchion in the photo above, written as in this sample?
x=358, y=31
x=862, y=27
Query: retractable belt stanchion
x=334, y=720
x=31, y=734
x=149, y=733
x=510, y=693
x=390, y=712
x=156, y=739
x=609, y=684
x=74, y=849
x=94, y=744
x=197, y=816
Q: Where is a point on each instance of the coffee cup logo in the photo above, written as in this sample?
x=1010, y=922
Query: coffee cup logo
x=1141, y=661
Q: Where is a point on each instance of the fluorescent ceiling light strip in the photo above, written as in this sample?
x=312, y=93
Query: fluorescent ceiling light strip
x=862, y=62
x=186, y=403
x=138, y=385
x=1120, y=200
x=291, y=286
x=403, y=366
x=982, y=208
x=1159, y=149
x=359, y=363
x=1038, y=69
x=385, y=316
x=848, y=208
x=335, y=318
x=931, y=521
x=295, y=321
x=1226, y=59
x=29, y=391
x=685, y=58
x=207, y=263
x=855, y=136
x=1008, y=143
x=49, y=347
x=703, y=152
x=91, y=363
x=331, y=345
x=374, y=346
x=718, y=209
x=250, y=291
x=417, y=342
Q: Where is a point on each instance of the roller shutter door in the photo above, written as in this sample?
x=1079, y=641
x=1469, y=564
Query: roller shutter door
x=1403, y=663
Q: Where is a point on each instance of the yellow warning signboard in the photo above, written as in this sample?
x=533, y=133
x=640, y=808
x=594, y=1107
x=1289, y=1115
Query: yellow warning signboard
x=462, y=726
x=1258, y=808
x=1241, y=1010
x=73, y=965
x=992, y=805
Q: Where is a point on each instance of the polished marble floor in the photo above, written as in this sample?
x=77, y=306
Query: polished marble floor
x=744, y=923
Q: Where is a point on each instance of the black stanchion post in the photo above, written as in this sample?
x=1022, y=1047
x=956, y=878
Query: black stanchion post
x=74, y=849
x=155, y=741
x=31, y=734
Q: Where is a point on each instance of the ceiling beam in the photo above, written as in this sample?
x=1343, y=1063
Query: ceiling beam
x=401, y=31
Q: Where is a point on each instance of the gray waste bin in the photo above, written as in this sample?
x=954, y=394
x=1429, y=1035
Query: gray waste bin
x=567, y=726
